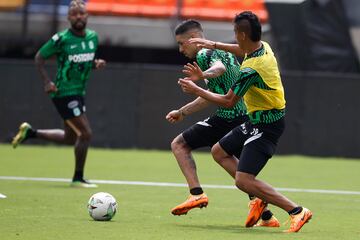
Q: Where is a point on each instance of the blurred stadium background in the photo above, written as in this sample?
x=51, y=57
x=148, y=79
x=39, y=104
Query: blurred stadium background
x=317, y=43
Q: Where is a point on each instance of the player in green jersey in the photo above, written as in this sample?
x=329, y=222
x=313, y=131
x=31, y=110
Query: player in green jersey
x=220, y=70
x=260, y=86
x=74, y=50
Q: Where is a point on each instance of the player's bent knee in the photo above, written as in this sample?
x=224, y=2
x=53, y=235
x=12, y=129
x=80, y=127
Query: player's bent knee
x=86, y=135
x=240, y=184
x=218, y=153
x=69, y=141
x=178, y=144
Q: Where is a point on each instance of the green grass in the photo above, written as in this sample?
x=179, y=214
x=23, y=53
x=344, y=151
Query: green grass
x=52, y=210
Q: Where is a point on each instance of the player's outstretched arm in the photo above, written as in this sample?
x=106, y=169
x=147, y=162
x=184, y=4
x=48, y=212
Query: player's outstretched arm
x=227, y=47
x=228, y=100
x=192, y=107
x=49, y=86
x=193, y=71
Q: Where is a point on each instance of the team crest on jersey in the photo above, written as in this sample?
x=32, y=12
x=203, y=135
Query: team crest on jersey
x=91, y=44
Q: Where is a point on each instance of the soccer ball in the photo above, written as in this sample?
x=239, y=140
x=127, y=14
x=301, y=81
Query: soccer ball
x=102, y=206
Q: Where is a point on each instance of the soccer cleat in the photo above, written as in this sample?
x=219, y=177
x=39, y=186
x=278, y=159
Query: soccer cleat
x=193, y=201
x=298, y=220
x=82, y=184
x=22, y=134
x=256, y=208
x=272, y=222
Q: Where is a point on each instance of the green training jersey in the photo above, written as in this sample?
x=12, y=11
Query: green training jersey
x=75, y=58
x=221, y=85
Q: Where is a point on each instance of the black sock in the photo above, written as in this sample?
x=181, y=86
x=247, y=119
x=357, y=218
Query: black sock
x=78, y=175
x=31, y=133
x=251, y=197
x=266, y=215
x=295, y=211
x=196, y=191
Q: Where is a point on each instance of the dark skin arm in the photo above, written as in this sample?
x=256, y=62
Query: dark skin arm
x=229, y=100
x=49, y=86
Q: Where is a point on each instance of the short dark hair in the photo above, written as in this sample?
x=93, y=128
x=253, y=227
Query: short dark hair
x=188, y=25
x=249, y=23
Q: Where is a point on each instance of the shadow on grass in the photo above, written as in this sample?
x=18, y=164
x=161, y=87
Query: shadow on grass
x=232, y=228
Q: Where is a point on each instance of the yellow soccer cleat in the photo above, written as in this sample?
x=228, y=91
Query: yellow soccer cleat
x=256, y=208
x=193, y=201
x=298, y=220
x=272, y=222
x=22, y=134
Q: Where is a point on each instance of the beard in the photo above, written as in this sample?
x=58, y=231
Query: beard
x=79, y=25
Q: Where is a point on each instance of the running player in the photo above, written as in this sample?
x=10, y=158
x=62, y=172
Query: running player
x=75, y=50
x=261, y=87
x=220, y=70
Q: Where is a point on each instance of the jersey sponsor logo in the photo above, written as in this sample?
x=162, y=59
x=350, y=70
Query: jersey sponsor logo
x=73, y=104
x=83, y=57
x=73, y=46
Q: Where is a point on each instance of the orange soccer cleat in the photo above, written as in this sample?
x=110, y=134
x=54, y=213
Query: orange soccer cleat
x=272, y=222
x=298, y=220
x=256, y=208
x=193, y=201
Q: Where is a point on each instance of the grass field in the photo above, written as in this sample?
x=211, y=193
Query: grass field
x=52, y=210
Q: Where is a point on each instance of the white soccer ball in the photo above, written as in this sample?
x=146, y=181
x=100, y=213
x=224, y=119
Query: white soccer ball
x=102, y=206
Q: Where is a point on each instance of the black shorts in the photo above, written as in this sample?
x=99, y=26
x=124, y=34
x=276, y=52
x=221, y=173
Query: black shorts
x=208, y=132
x=70, y=106
x=257, y=144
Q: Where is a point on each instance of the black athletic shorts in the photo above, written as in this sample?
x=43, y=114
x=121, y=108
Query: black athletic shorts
x=208, y=132
x=70, y=106
x=257, y=144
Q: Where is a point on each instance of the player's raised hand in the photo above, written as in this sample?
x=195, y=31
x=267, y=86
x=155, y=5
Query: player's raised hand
x=204, y=43
x=50, y=87
x=187, y=85
x=99, y=63
x=174, y=116
x=193, y=71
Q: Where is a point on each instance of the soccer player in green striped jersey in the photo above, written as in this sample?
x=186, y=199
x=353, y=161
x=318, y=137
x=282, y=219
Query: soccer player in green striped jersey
x=261, y=88
x=74, y=49
x=220, y=70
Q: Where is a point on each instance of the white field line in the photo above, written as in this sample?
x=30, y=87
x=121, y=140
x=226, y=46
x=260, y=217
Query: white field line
x=165, y=184
x=2, y=196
